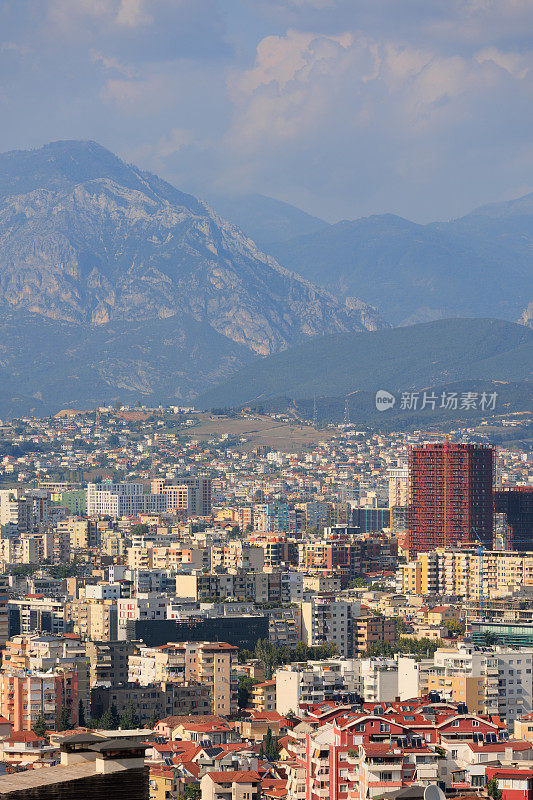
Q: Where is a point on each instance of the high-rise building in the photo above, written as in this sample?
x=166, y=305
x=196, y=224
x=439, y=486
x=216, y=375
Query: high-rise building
x=451, y=495
x=516, y=504
x=190, y=495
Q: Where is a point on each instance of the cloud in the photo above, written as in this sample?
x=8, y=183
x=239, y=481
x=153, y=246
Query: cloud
x=342, y=106
x=113, y=64
x=132, y=14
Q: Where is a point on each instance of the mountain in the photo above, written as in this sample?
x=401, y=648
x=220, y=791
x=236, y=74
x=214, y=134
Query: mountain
x=398, y=359
x=91, y=242
x=265, y=220
x=477, y=266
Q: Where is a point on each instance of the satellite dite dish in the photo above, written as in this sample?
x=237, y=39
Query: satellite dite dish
x=434, y=792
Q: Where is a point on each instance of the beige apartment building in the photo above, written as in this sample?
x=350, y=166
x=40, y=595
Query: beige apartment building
x=94, y=619
x=230, y=786
x=211, y=664
x=464, y=572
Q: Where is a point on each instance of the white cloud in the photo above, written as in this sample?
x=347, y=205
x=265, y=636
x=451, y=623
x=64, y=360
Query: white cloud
x=132, y=14
x=113, y=64
x=516, y=64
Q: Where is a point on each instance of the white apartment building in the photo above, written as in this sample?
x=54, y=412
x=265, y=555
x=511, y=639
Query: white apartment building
x=144, y=606
x=122, y=500
x=378, y=679
x=102, y=591
x=314, y=682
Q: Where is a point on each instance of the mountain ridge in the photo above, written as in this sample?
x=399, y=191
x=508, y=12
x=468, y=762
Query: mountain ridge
x=86, y=238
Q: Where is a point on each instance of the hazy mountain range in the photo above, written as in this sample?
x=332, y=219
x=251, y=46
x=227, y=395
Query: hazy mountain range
x=479, y=265
x=113, y=283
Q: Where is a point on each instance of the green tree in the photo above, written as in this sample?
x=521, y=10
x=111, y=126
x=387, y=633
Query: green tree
x=456, y=626
x=244, y=690
x=140, y=529
x=110, y=720
x=271, y=746
x=129, y=719
x=40, y=726
x=63, y=721
x=81, y=715
x=192, y=792
x=154, y=719
x=493, y=789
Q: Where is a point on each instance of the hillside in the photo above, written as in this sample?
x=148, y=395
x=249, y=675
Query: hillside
x=400, y=359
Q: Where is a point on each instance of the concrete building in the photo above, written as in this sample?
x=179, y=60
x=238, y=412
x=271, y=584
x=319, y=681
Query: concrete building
x=328, y=621
x=302, y=684
x=122, y=500
x=211, y=664
x=24, y=696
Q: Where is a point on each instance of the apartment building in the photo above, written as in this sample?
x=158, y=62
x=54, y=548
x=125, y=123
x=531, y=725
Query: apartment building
x=38, y=614
x=40, y=653
x=24, y=696
x=304, y=684
x=143, y=607
x=464, y=571
x=326, y=620
x=95, y=619
x=498, y=678
x=369, y=630
x=122, y=499
x=189, y=496
x=210, y=664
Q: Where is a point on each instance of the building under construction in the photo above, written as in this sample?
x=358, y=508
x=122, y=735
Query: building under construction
x=451, y=496
x=516, y=504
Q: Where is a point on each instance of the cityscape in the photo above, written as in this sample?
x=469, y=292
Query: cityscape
x=190, y=613
x=266, y=400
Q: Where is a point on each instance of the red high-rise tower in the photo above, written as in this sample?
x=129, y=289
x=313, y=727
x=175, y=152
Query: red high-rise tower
x=451, y=489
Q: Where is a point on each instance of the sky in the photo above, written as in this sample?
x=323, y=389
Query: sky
x=344, y=108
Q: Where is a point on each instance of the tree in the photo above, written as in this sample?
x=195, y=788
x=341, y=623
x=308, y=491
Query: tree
x=110, y=720
x=271, y=746
x=129, y=719
x=493, y=789
x=81, y=715
x=40, y=726
x=154, y=719
x=244, y=690
x=456, y=626
x=63, y=721
x=192, y=792
x=140, y=530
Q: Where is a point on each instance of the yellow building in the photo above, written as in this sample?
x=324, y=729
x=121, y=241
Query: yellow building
x=466, y=572
x=264, y=696
x=459, y=688
x=523, y=728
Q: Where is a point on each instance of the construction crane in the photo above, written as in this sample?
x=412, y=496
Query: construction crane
x=481, y=547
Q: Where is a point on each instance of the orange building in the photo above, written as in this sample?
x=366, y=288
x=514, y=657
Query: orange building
x=24, y=697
